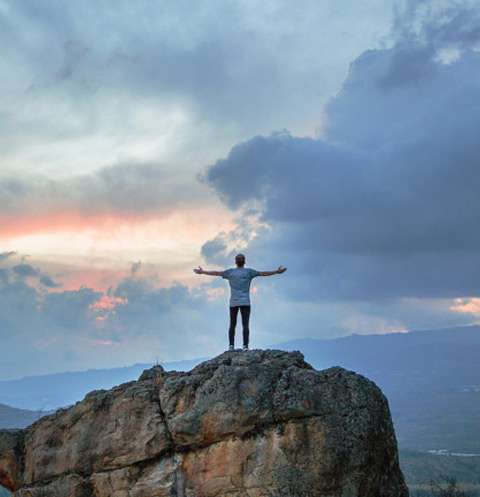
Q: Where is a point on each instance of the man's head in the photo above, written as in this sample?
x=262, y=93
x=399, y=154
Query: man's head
x=240, y=260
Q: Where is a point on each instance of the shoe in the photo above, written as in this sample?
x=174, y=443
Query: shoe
x=245, y=347
x=230, y=347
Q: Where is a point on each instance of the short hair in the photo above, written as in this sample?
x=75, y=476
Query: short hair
x=240, y=259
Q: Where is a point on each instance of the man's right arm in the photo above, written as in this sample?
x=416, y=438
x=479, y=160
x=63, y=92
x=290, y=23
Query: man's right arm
x=280, y=270
x=199, y=270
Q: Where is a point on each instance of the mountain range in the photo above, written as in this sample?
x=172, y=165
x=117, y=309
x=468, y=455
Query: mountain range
x=49, y=392
x=431, y=379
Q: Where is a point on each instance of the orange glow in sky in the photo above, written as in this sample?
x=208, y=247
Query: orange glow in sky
x=107, y=303
x=466, y=305
x=106, y=307
x=113, y=231
x=98, y=251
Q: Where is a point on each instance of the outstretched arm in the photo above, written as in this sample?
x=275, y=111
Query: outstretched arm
x=280, y=270
x=199, y=270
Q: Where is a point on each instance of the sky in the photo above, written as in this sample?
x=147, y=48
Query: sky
x=142, y=139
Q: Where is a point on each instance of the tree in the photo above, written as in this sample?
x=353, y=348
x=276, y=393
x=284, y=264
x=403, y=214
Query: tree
x=446, y=487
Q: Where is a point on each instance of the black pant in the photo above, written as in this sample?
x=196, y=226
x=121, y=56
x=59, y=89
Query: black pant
x=245, y=311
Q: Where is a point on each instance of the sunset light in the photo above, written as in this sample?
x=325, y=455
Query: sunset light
x=181, y=139
x=239, y=248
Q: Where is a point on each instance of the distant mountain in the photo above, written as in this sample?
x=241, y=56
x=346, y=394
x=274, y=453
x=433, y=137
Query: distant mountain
x=420, y=468
x=431, y=379
x=49, y=392
x=10, y=417
x=419, y=360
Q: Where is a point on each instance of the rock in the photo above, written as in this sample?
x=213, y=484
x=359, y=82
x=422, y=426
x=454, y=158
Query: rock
x=11, y=458
x=253, y=424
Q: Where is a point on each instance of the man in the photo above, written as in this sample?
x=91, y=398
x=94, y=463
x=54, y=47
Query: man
x=239, y=278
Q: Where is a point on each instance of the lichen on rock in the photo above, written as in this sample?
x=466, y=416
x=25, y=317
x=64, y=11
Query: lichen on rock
x=244, y=424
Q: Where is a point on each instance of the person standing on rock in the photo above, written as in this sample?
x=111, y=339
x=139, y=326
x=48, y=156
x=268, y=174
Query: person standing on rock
x=239, y=278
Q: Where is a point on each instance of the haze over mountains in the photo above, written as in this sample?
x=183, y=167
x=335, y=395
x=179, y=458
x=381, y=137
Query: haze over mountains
x=431, y=379
x=12, y=417
x=445, y=358
x=52, y=391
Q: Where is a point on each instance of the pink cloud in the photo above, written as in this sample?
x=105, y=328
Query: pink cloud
x=105, y=343
x=471, y=305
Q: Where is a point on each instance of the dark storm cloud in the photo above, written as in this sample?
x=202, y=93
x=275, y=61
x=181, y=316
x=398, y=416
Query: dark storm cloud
x=386, y=203
x=284, y=172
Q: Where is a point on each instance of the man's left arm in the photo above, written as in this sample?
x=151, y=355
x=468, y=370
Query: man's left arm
x=280, y=270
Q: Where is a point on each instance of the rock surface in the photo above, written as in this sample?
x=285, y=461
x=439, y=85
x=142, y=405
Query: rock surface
x=256, y=423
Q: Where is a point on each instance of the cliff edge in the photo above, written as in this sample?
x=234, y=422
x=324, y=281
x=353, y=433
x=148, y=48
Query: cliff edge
x=253, y=424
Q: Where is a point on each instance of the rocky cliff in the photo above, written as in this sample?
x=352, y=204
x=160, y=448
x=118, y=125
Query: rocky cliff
x=256, y=423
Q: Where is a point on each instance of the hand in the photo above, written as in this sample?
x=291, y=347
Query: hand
x=198, y=270
x=281, y=270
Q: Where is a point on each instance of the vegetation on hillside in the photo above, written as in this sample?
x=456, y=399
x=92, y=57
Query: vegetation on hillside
x=444, y=487
x=430, y=475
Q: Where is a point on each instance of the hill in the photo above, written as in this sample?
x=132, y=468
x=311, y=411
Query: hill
x=49, y=392
x=431, y=378
x=420, y=469
x=260, y=422
x=10, y=417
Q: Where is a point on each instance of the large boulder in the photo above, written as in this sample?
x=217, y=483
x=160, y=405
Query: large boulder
x=256, y=423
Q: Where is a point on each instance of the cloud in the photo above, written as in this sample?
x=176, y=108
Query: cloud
x=124, y=188
x=125, y=191
x=47, y=281
x=214, y=250
x=137, y=319
x=24, y=270
x=437, y=25
x=384, y=203
x=375, y=219
x=6, y=255
x=171, y=80
x=69, y=310
x=168, y=89
x=135, y=267
x=216, y=57
x=220, y=250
